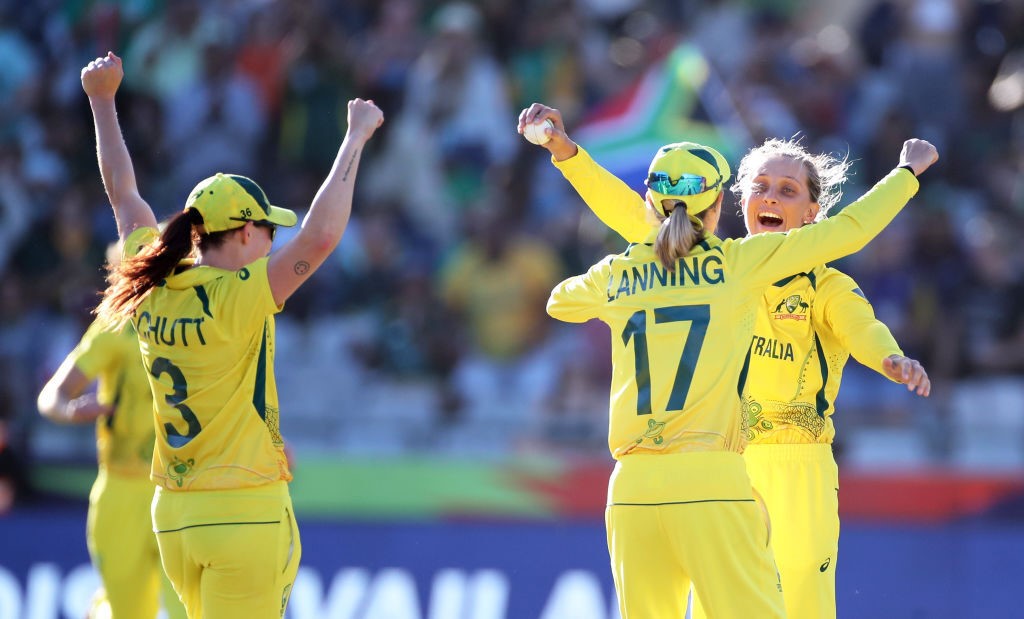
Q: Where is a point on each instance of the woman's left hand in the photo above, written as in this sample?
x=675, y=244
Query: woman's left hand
x=908, y=372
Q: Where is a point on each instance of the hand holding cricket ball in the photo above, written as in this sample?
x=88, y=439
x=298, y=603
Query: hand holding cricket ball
x=542, y=125
x=537, y=132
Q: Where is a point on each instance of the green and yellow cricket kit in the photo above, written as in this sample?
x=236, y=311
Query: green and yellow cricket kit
x=810, y=324
x=222, y=513
x=813, y=321
x=124, y=439
x=207, y=339
x=119, y=527
x=681, y=356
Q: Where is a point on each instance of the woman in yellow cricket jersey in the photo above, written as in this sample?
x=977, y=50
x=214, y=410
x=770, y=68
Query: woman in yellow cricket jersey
x=682, y=307
x=201, y=296
x=119, y=529
x=808, y=326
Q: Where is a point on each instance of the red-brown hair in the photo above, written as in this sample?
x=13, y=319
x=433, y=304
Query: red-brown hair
x=129, y=283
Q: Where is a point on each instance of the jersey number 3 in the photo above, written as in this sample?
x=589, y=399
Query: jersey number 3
x=163, y=365
x=636, y=330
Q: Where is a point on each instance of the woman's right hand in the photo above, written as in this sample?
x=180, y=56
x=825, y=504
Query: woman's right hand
x=559, y=144
x=363, y=118
x=101, y=77
x=918, y=154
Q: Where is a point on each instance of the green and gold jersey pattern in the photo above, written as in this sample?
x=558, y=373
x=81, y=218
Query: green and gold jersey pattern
x=681, y=340
x=124, y=439
x=809, y=325
x=207, y=342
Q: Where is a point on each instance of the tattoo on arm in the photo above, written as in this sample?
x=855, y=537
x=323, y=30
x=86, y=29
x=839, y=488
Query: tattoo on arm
x=301, y=267
x=348, y=168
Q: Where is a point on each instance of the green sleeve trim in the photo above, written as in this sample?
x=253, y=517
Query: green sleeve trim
x=821, y=402
x=259, y=391
x=810, y=276
x=741, y=384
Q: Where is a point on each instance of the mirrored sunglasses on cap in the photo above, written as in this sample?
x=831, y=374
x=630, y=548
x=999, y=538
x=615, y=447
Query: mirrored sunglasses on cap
x=685, y=185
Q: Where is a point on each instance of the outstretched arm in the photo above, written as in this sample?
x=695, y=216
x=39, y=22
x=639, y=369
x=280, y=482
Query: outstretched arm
x=328, y=216
x=100, y=80
x=611, y=199
x=851, y=318
x=767, y=257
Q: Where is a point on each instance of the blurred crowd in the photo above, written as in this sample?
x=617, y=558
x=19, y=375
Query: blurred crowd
x=427, y=331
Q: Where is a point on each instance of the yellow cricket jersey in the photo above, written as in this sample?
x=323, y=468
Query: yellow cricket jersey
x=124, y=439
x=809, y=325
x=681, y=341
x=207, y=341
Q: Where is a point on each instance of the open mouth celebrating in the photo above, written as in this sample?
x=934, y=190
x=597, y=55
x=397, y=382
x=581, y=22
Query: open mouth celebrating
x=769, y=220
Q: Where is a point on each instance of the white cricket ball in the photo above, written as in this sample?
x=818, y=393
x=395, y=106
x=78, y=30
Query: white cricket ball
x=534, y=132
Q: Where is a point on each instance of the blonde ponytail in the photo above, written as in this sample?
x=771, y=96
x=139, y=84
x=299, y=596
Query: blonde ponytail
x=678, y=234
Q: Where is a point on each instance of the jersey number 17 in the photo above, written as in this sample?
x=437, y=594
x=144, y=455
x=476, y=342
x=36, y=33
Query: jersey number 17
x=636, y=330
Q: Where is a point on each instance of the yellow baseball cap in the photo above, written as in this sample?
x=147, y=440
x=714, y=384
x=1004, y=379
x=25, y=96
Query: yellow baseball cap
x=687, y=171
x=227, y=201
